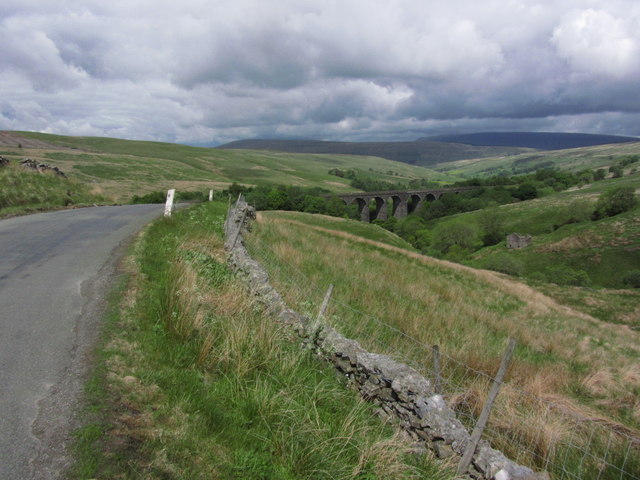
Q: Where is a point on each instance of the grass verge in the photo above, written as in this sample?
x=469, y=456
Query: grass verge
x=193, y=382
x=29, y=191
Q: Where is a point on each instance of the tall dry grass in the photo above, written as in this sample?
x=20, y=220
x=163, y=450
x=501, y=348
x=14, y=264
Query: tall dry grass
x=560, y=409
x=306, y=419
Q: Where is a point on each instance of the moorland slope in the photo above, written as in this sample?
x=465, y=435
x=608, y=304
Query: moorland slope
x=123, y=168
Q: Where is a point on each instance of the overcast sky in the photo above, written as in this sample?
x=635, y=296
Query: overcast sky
x=212, y=71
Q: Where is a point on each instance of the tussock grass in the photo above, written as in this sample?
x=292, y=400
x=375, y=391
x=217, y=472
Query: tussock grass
x=383, y=295
x=23, y=190
x=202, y=385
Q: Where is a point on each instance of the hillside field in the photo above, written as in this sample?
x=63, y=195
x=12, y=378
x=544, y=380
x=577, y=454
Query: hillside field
x=123, y=168
x=574, y=159
x=396, y=301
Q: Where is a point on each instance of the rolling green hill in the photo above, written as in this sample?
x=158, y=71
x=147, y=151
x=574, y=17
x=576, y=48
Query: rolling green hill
x=576, y=260
x=420, y=152
x=394, y=300
x=574, y=159
x=122, y=168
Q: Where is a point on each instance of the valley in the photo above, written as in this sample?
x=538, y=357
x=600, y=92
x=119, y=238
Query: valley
x=568, y=298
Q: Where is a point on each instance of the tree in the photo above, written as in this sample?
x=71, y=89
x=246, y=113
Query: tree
x=277, y=199
x=336, y=207
x=526, y=191
x=617, y=171
x=615, y=201
x=632, y=279
x=599, y=174
x=492, y=224
x=313, y=204
x=452, y=234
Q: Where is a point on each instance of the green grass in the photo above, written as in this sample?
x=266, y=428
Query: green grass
x=605, y=249
x=194, y=382
x=397, y=302
x=123, y=168
x=359, y=229
x=575, y=159
x=27, y=191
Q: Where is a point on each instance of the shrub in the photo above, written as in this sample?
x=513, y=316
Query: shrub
x=526, y=191
x=537, y=277
x=615, y=201
x=504, y=263
x=455, y=234
x=563, y=275
x=576, y=212
x=152, y=197
x=457, y=254
x=492, y=223
x=632, y=279
x=617, y=171
x=192, y=195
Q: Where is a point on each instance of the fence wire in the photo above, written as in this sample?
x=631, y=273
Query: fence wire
x=542, y=433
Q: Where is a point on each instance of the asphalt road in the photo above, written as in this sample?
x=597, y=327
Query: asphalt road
x=55, y=269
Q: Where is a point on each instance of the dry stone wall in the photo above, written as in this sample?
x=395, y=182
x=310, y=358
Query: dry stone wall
x=31, y=164
x=403, y=394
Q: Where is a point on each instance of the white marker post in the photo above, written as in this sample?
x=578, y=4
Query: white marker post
x=168, y=207
x=210, y=195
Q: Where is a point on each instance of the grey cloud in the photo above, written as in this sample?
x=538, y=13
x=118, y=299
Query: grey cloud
x=355, y=69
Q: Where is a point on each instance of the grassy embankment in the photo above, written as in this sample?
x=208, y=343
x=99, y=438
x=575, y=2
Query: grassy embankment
x=605, y=250
x=24, y=191
x=577, y=378
x=192, y=382
x=122, y=168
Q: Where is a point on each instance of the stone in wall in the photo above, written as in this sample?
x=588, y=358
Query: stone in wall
x=31, y=164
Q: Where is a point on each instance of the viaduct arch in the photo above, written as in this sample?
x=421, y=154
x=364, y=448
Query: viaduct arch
x=394, y=203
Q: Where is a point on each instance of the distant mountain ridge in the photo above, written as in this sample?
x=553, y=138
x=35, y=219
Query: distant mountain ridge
x=422, y=153
x=537, y=140
x=428, y=151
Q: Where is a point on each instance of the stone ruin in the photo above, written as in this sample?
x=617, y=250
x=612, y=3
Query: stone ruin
x=403, y=395
x=516, y=240
x=28, y=163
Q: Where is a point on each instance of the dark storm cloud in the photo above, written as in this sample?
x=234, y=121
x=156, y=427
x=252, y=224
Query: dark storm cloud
x=202, y=71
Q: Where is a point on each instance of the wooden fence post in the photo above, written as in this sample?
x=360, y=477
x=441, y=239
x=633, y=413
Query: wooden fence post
x=325, y=303
x=210, y=195
x=437, y=375
x=235, y=238
x=463, y=466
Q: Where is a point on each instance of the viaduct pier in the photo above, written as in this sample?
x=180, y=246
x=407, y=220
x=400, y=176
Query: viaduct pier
x=395, y=203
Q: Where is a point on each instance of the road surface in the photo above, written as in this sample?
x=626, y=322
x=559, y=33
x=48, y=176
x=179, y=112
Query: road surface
x=55, y=269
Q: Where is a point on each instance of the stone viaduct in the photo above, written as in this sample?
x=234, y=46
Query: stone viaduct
x=396, y=203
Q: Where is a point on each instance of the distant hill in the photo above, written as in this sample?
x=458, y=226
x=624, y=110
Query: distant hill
x=537, y=140
x=123, y=168
x=428, y=151
x=572, y=159
x=420, y=152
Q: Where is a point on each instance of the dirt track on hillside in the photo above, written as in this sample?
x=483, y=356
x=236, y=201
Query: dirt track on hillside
x=12, y=139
